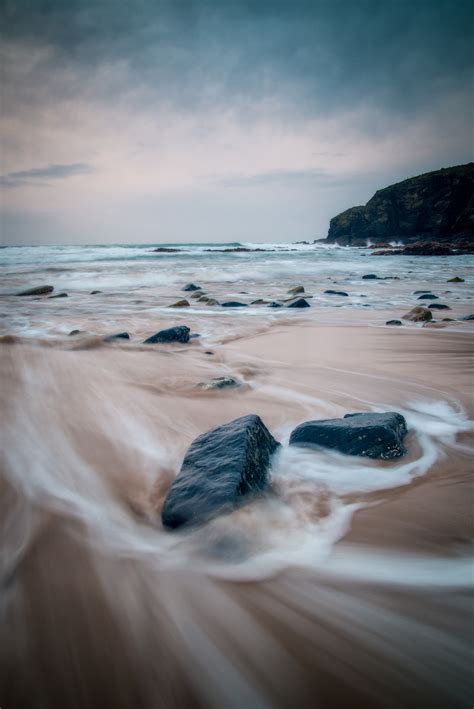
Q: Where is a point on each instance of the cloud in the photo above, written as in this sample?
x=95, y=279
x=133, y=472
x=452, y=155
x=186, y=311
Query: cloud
x=38, y=176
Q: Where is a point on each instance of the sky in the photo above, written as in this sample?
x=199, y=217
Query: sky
x=222, y=120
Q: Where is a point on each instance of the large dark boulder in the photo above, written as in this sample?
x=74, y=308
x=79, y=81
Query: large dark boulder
x=180, y=333
x=436, y=206
x=220, y=470
x=371, y=435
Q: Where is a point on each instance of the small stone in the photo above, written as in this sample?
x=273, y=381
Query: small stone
x=39, y=290
x=191, y=287
x=336, y=292
x=394, y=322
x=456, y=279
x=74, y=332
x=180, y=304
x=95, y=292
x=418, y=314
x=428, y=296
x=467, y=317
x=370, y=277
x=59, y=295
x=219, y=383
x=439, y=306
x=296, y=290
x=274, y=304
x=234, y=304
x=198, y=294
x=417, y=292
x=300, y=303
x=180, y=333
x=118, y=336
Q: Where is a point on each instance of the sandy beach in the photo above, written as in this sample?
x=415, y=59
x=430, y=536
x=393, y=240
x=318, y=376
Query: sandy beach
x=346, y=583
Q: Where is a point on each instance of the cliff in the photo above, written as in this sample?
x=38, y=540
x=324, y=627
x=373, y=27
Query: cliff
x=436, y=206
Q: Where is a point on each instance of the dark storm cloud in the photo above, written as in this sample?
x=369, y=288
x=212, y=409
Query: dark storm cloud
x=41, y=175
x=315, y=56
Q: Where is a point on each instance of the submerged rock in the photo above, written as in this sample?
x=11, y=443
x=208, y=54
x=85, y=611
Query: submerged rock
x=274, y=304
x=117, y=336
x=428, y=296
x=198, y=294
x=300, y=303
x=191, y=287
x=394, y=322
x=95, y=292
x=456, y=279
x=296, y=290
x=234, y=304
x=370, y=277
x=219, y=383
x=74, y=332
x=164, y=250
x=259, y=301
x=467, y=317
x=219, y=470
x=180, y=333
x=336, y=292
x=58, y=295
x=417, y=292
x=180, y=304
x=439, y=306
x=418, y=314
x=39, y=290
x=368, y=434
x=210, y=301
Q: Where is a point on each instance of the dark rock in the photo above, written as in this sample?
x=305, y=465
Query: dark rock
x=118, y=336
x=234, y=304
x=394, y=322
x=418, y=314
x=209, y=352
x=439, y=306
x=39, y=290
x=220, y=470
x=370, y=277
x=274, y=304
x=198, y=294
x=336, y=292
x=428, y=296
x=219, y=383
x=259, y=301
x=456, y=279
x=209, y=301
x=165, y=250
x=75, y=332
x=95, y=292
x=371, y=435
x=296, y=290
x=300, y=303
x=417, y=292
x=180, y=304
x=180, y=333
x=467, y=317
x=59, y=295
x=436, y=206
x=191, y=286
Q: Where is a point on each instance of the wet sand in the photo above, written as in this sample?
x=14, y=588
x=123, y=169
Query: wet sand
x=322, y=594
